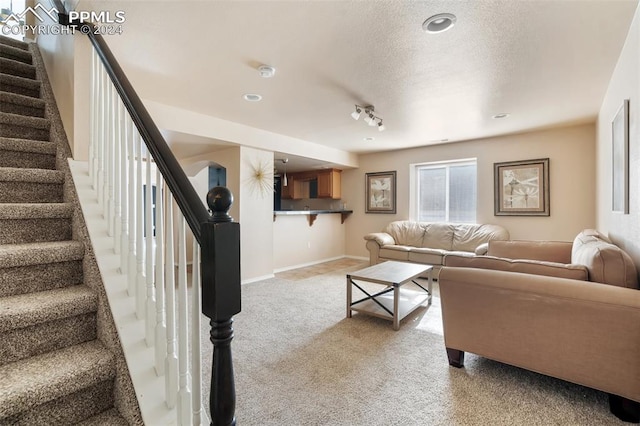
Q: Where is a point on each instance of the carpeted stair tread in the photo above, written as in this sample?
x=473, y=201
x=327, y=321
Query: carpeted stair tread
x=13, y=255
x=20, y=85
x=27, y=145
x=13, y=67
x=33, y=381
x=28, y=154
x=14, y=43
x=35, y=222
x=25, y=310
x=14, y=174
x=15, y=53
x=15, y=103
x=7, y=118
x=24, y=126
x=70, y=409
x=40, y=277
x=36, y=211
x=110, y=418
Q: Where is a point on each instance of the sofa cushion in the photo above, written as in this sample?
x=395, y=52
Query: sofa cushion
x=467, y=237
x=395, y=252
x=534, y=267
x=549, y=251
x=606, y=262
x=429, y=256
x=406, y=233
x=437, y=235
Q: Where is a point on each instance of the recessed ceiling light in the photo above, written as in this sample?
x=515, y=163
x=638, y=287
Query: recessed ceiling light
x=252, y=97
x=439, y=23
x=266, y=71
x=501, y=115
x=369, y=139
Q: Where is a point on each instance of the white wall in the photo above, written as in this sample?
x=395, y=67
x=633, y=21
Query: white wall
x=623, y=229
x=571, y=151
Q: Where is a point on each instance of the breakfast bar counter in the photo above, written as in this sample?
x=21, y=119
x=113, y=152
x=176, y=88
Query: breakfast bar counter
x=312, y=214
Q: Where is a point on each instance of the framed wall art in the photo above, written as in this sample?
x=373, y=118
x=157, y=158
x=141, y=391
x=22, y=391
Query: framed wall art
x=380, y=192
x=620, y=154
x=521, y=188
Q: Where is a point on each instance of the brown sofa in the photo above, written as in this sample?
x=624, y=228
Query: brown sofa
x=567, y=310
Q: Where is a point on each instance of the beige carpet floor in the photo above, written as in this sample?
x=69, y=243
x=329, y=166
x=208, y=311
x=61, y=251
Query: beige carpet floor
x=299, y=361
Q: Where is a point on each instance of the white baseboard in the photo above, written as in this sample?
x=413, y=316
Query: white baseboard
x=365, y=258
x=255, y=279
x=304, y=265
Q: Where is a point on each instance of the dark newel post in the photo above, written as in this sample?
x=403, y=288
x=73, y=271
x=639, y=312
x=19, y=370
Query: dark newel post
x=221, y=299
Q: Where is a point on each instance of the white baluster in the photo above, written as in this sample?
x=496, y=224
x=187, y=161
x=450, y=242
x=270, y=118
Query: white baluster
x=108, y=194
x=171, y=361
x=196, y=352
x=184, y=394
x=132, y=278
x=93, y=113
x=151, y=297
x=117, y=172
x=140, y=281
x=101, y=140
x=124, y=189
x=161, y=330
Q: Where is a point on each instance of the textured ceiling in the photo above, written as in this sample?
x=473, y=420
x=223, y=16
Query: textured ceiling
x=546, y=63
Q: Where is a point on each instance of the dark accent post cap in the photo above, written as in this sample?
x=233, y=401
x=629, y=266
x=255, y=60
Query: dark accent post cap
x=219, y=200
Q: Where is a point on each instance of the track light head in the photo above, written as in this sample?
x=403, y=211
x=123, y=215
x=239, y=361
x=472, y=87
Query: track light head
x=372, y=120
x=381, y=126
x=356, y=114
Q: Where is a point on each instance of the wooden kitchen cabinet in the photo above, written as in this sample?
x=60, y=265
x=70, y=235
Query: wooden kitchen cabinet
x=294, y=189
x=330, y=184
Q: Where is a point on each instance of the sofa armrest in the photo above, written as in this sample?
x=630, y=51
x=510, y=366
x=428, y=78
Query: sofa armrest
x=550, y=251
x=382, y=238
x=583, y=332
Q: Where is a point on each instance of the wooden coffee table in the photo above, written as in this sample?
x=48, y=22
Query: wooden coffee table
x=393, y=302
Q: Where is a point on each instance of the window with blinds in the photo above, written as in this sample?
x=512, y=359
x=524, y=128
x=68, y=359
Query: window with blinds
x=446, y=192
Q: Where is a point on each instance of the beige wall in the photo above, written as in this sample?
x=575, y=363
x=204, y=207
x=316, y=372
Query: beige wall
x=57, y=53
x=624, y=229
x=295, y=243
x=67, y=59
x=256, y=217
x=571, y=151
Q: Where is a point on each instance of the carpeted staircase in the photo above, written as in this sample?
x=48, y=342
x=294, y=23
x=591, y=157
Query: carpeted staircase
x=55, y=366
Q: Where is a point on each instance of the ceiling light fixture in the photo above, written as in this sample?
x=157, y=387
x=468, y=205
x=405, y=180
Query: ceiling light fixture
x=370, y=118
x=252, y=97
x=266, y=71
x=501, y=115
x=284, y=179
x=439, y=23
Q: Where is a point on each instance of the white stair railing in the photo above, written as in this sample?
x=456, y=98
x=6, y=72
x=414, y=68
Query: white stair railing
x=124, y=176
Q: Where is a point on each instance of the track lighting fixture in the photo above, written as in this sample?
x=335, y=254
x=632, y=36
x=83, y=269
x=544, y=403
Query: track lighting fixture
x=370, y=119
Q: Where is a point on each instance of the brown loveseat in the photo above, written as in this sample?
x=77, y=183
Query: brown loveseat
x=567, y=310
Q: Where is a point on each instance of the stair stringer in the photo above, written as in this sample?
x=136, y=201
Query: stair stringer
x=124, y=395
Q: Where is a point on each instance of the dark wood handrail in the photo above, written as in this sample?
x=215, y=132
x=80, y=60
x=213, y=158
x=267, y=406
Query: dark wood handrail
x=191, y=205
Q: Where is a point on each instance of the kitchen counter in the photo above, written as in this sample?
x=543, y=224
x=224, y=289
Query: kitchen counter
x=313, y=214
